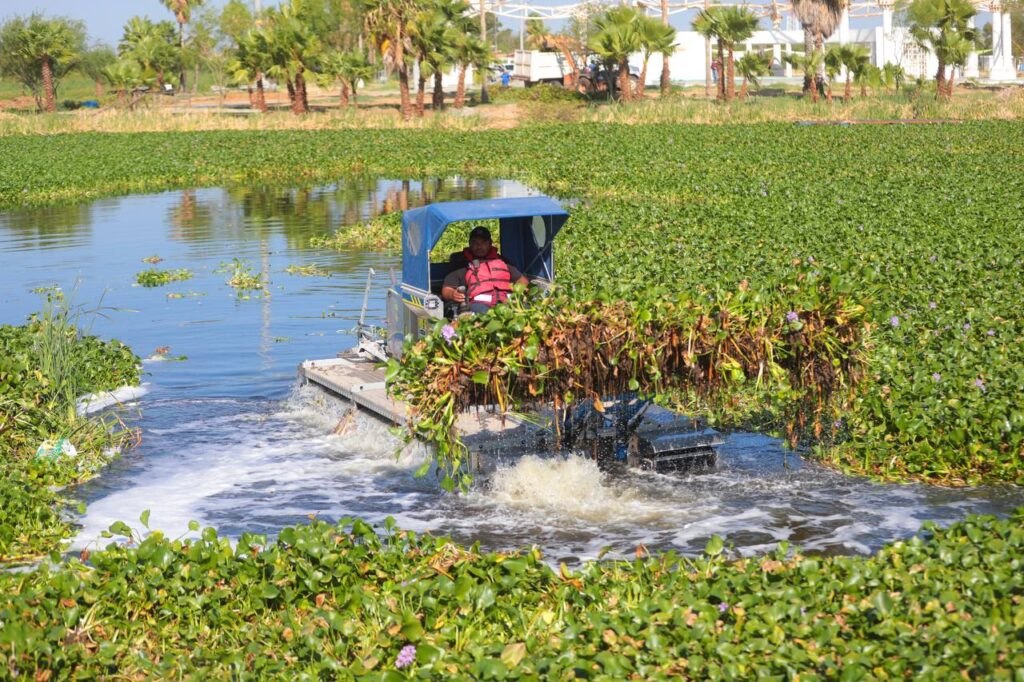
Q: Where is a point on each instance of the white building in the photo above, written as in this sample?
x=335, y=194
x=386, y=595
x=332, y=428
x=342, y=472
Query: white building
x=886, y=43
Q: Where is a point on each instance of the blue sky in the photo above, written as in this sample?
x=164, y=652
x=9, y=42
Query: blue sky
x=105, y=18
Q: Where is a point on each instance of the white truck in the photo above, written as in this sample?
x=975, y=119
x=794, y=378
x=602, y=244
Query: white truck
x=533, y=66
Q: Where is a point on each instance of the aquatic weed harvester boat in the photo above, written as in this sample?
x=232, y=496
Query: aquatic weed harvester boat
x=623, y=429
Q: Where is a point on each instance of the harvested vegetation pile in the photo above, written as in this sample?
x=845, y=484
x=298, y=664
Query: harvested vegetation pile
x=793, y=351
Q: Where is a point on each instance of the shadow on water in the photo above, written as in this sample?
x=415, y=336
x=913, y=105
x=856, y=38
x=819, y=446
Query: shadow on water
x=229, y=441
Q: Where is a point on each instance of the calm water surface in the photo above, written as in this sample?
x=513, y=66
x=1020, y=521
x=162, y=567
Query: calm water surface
x=229, y=440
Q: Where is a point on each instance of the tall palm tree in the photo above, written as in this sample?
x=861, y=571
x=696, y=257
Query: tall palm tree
x=429, y=36
x=469, y=51
x=942, y=26
x=151, y=44
x=655, y=38
x=294, y=51
x=708, y=23
x=253, y=59
x=665, y=54
x=738, y=24
x=460, y=24
x=182, y=11
x=49, y=48
x=819, y=18
x=617, y=38
x=387, y=24
x=728, y=25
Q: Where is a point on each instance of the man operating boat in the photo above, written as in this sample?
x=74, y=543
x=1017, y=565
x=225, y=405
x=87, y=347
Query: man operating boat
x=480, y=278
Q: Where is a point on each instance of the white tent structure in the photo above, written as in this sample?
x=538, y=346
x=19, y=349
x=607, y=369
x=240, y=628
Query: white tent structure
x=887, y=43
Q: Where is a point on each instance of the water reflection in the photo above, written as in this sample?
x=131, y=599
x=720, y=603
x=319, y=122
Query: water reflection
x=299, y=213
x=50, y=226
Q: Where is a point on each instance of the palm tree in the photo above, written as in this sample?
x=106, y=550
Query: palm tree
x=893, y=76
x=387, y=23
x=429, y=36
x=833, y=66
x=253, y=59
x=728, y=25
x=347, y=68
x=124, y=76
x=738, y=24
x=151, y=44
x=708, y=23
x=856, y=59
x=810, y=63
x=42, y=50
x=752, y=66
x=655, y=38
x=617, y=38
x=294, y=51
x=469, y=50
x=942, y=26
x=460, y=24
x=820, y=18
x=182, y=11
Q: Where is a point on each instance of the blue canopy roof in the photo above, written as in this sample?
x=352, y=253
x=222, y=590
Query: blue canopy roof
x=528, y=226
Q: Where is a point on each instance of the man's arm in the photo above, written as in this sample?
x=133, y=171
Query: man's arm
x=450, y=288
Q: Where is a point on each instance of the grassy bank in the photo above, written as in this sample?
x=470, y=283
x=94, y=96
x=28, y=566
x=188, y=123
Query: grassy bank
x=341, y=602
x=517, y=107
x=927, y=215
x=45, y=445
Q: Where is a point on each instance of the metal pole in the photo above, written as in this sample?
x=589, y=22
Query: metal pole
x=484, y=99
x=257, y=5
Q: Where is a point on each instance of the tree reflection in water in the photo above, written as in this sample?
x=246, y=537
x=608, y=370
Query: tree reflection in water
x=299, y=213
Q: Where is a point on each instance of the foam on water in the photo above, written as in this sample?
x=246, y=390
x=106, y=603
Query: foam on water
x=570, y=487
x=95, y=402
x=259, y=465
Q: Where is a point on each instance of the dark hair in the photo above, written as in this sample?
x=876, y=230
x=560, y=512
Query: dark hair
x=480, y=231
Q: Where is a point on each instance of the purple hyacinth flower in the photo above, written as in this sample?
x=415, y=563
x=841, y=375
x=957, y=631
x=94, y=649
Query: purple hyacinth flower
x=448, y=332
x=967, y=325
x=991, y=332
x=933, y=259
x=933, y=305
x=723, y=607
x=894, y=321
x=792, y=317
x=810, y=259
x=978, y=383
x=936, y=377
x=406, y=656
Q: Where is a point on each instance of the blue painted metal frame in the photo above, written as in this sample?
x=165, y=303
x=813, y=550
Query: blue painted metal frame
x=422, y=229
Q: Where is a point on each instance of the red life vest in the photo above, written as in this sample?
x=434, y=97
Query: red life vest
x=488, y=279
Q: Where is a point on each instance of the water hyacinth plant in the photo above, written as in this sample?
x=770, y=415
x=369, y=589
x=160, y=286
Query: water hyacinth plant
x=155, y=277
x=345, y=600
x=796, y=349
